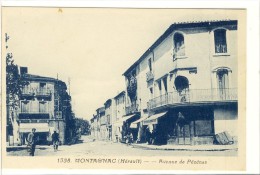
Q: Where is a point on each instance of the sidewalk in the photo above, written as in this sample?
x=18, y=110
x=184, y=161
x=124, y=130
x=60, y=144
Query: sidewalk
x=22, y=147
x=186, y=147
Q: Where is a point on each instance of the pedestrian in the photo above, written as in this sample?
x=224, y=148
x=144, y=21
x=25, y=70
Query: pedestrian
x=148, y=135
x=55, y=140
x=31, y=139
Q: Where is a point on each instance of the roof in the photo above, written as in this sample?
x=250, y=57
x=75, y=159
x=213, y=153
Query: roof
x=39, y=78
x=120, y=94
x=176, y=26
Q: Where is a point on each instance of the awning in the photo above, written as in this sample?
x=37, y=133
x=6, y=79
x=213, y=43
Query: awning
x=40, y=127
x=120, y=122
x=145, y=116
x=127, y=117
x=153, y=119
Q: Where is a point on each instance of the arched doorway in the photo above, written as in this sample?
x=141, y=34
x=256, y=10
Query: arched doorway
x=182, y=86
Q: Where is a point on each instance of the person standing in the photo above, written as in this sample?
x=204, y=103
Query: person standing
x=55, y=140
x=31, y=139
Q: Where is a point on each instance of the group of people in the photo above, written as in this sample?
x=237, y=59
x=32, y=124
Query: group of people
x=151, y=136
x=32, y=141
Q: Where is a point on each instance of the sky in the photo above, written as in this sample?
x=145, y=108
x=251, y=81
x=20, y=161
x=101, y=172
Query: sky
x=90, y=46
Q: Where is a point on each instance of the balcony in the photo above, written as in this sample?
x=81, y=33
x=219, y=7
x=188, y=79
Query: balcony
x=194, y=96
x=178, y=53
x=43, y=93
x=131, y=109
x=27, y=92
x=33, y=115
x=149, y=76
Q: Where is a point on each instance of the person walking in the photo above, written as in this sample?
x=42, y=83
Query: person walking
x=55, y=140
x=31, y=139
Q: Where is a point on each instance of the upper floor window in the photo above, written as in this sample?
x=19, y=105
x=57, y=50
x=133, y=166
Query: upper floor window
x=24, y=106
x=222, y=76
x=220, y=41
x=42, y=107
x=150, y=64
x=179, y=47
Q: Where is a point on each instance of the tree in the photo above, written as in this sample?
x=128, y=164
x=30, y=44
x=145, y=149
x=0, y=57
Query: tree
x=14, y=84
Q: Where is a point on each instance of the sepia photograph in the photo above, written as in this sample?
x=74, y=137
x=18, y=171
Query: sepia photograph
x=114, y=86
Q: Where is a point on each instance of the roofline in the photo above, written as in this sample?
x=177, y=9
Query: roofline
x=176, y=26
x=40, y=78
x=122, y=92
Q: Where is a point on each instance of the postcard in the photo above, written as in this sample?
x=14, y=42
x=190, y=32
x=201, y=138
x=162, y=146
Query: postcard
x=123, y=88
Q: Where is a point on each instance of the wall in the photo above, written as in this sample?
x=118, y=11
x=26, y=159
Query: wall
x=34, y=104
x=225, y=119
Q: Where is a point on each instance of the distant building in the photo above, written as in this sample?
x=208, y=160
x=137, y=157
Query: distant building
x=186, y=82
x=109, y=115
x=117, y=125
x=45, y=106
x=102, y=123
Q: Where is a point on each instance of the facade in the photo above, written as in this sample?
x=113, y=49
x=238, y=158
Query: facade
x=44, y=105
x=187, y=83
x=102, y=123
x=117, y=126
x=183, y=89
x=109, y=114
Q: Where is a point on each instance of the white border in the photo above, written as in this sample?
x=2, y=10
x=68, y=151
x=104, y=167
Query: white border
x=252, y=7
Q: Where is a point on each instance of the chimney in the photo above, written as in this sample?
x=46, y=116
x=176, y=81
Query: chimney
x=23, y=70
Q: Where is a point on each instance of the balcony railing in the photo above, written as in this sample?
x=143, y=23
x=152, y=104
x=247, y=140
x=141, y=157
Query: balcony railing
x=131, y=109
x=149, y=76
x=43, y=92
x=180, y=52
x=33, y=115
x=193, y=96
x=27, y=92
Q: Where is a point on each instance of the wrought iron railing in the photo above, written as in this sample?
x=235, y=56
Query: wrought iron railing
x=43, y=92
x=27, y=91
x=180, y=52
x=131, y=109
x=149, y=76
x=193, y=96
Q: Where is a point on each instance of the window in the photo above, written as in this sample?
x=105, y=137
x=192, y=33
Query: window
x=24, y=106
x=150, y=64
x=223, y=83
x=42, y=107
x=222, y=76
x=151, y=93
x=160, y=87
x=179, y=48
x=42, y=87
x=165, y=84
x=220, y=41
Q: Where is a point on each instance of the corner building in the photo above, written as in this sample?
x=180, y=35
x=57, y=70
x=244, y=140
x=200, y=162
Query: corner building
x=45, y=106
x=187, y=83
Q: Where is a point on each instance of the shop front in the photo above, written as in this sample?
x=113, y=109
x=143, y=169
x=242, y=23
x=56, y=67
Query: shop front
x=182, y=126
x=42, y=132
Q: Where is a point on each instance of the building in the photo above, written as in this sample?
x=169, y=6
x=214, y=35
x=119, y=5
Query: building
x=109, y=113
x=186, y=82
x=117, y=124
x=102, y=123
x=45, y=106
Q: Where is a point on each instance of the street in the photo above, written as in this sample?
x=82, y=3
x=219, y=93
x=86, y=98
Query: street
x=92, y=147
